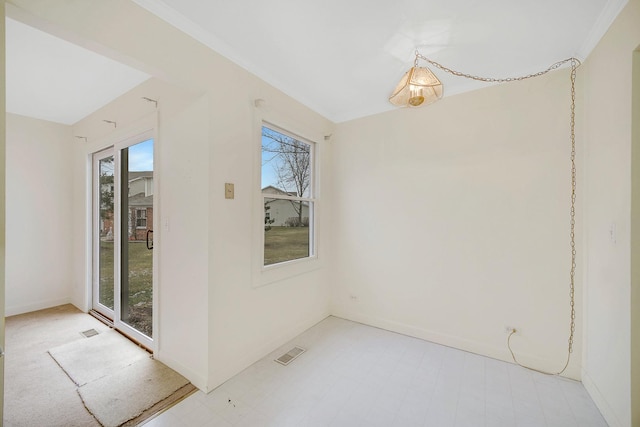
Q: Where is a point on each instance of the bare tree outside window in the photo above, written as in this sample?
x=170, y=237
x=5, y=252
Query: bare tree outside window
x=291, y=163
x=287, y=179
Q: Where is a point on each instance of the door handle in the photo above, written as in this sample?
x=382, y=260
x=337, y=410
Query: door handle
x=1, y=352
x=149, y=246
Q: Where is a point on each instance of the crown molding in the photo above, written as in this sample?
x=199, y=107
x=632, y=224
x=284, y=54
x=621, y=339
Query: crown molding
x=599, y=29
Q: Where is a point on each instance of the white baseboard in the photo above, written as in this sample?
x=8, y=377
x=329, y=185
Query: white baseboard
x=477, y=347
x=34, y=306
x=194, y=377
x=602, y=404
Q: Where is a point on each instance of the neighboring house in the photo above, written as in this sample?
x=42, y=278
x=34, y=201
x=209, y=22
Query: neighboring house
x=141, y=182
x=283, y=212
x=140, y=216
x=140, y=204
x=140, y=212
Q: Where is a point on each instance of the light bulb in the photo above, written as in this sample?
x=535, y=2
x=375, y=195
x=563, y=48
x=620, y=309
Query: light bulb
x=416, y=97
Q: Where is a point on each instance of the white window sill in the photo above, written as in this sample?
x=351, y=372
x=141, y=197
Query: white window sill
x=285, y=270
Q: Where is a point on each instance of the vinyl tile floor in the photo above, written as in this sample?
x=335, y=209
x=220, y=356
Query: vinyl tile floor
x=356, y=375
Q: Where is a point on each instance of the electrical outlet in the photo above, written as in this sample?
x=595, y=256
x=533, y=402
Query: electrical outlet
x=354, y=298
x=508, y=329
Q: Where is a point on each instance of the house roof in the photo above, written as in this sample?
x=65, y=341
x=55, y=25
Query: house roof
x=141, y=174
x=270, y=189
x=139, y=200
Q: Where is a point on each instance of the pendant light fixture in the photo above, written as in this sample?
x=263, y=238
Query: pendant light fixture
x=419, y=86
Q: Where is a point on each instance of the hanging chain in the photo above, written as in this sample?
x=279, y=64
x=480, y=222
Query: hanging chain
x=572, y=223
x=575, y=63
x=555, y=66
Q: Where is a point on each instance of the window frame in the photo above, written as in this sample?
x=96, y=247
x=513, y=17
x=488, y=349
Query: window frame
x=267, y=274
x=310, y=199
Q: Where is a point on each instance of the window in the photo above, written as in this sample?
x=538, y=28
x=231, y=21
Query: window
x=141, y=218
x=287, y=196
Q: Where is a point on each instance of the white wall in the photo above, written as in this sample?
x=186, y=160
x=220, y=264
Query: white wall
x=635, y=244
x=607, y=127
x=225, y=319
x=247, y=322
x=183, y=240
x=39, y=214
x=452, y=221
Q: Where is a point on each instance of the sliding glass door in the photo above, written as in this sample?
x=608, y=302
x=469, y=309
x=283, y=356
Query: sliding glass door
x=123, y=237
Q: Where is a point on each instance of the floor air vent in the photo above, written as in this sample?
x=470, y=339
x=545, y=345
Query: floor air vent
x=89, y=333
x=288, y=357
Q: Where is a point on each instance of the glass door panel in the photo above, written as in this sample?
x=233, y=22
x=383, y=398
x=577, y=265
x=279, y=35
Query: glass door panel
x=136, y=246
x=103, y=286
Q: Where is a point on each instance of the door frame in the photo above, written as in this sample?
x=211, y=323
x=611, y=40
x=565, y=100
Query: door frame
x=95, y=231
x=3, y=129
x=141, y=130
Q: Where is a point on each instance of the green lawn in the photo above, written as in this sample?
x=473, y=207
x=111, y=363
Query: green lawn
x=285, y=244
x=140, y=283
x=281, y=244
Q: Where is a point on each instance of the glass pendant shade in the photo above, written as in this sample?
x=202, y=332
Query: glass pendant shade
x=419, y=86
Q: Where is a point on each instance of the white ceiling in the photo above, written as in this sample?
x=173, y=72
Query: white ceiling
x=341, y=58
x=51, y=79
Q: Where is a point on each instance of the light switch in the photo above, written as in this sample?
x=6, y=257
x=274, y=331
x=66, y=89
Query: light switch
x=228, y=191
